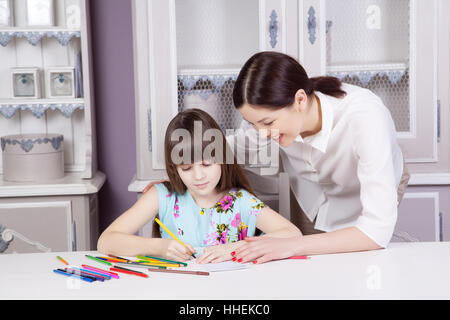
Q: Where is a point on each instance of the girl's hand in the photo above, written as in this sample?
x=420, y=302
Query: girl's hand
x=151, y=184
x=173, y=250
x=219, y=253
x=263, y=249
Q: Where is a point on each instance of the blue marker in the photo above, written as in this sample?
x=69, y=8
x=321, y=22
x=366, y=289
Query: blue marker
x=96, y=274
x=73, y=275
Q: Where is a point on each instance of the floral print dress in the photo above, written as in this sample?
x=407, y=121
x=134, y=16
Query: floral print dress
x=232, y=218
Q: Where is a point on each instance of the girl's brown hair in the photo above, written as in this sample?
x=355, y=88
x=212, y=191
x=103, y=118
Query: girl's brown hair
x=271, y=79
x=232, y=175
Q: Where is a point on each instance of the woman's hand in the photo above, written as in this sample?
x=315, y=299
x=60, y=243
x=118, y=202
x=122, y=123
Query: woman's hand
x=151, y=184
x=219, y=253
x=173, y=250
x=264, y=249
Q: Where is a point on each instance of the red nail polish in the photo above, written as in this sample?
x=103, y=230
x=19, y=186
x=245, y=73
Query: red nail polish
x=233, y=253
x=234, y=259
x=240, y=260
x=255, y=262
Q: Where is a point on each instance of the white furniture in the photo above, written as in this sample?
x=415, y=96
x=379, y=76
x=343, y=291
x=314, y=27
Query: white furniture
x=188, y=53
x=402, y=271
x=62, y=214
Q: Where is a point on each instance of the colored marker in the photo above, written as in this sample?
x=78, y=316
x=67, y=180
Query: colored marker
x=157, y=263
x=98, y=260
x=61, y=271
x=164, y=260
x=111, y=259
x=299, y=257
x=147, y=265
x=62, y=260
x=128, y=271
x=94, y=274
x=198, y=273
x=117, y=257
x=84, y=274
x=101, y=271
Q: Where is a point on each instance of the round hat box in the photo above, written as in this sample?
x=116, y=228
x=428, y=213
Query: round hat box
x=32, y=157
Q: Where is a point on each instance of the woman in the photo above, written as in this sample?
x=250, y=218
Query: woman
x=338, y=145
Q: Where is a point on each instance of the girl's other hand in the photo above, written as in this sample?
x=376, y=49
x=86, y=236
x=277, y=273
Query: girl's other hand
x=151, y=184
x=173, y=250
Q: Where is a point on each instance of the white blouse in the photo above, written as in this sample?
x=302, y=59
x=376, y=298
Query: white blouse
x=348, y=173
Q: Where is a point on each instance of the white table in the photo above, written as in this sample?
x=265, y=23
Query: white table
x=402, y=271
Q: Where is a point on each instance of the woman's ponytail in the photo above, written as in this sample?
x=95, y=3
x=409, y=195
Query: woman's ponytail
x=328, y=85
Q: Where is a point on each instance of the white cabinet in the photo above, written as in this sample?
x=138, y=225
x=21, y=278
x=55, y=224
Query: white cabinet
x=64, y=45
x=59, y=223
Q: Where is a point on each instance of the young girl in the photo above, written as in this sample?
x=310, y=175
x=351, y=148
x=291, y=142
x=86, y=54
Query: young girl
x=207, y=204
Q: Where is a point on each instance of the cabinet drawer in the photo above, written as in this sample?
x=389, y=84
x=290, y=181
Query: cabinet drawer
x=418, y=218
x=49, y=223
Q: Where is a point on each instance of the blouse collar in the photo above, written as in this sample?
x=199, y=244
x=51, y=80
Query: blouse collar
x=320, y=140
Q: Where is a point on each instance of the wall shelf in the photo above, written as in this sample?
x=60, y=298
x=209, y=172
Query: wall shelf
x=365, y=73
x=8, y=108
x=34, y=36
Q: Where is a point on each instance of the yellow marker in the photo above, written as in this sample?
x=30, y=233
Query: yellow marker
x=170, y=233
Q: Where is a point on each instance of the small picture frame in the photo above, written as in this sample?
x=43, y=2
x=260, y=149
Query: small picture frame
x=40, y=13
x=6, y=13
x=60, y=82
x=25, y=83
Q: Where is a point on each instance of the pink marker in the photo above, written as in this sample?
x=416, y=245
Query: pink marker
x=112, y=274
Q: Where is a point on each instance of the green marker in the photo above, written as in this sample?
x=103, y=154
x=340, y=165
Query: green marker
x=166, y=260
x=99, y=260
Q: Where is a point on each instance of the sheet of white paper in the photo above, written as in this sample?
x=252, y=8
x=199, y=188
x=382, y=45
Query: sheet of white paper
x=223, y=266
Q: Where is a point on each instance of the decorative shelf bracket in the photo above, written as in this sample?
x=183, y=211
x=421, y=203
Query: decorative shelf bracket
x=34, y=37
x=38, y=109
x=365, y=77
x=217, y=81
x=312, y=25
x=273, y=29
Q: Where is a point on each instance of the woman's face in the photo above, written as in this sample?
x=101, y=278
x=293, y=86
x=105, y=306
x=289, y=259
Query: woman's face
x=201, y=178
x=283, y=125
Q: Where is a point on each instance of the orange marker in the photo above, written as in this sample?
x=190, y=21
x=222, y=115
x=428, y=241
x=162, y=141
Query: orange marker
x=62, y=260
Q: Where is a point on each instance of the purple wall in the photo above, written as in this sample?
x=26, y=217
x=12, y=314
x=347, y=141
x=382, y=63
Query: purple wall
x=112, y=47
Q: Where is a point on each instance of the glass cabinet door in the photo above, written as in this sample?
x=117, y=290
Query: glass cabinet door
x=367, y=44
x=213, y=41
x=389, y=47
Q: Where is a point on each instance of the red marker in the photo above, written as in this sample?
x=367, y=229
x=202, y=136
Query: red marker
x=299, y=257
x=128, y=271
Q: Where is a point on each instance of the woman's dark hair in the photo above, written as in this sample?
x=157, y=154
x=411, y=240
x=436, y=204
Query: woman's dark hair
x=272, y=79
x=232, y=175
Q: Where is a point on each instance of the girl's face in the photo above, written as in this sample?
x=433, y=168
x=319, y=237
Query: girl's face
x=201, y=178
x=282, y=125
